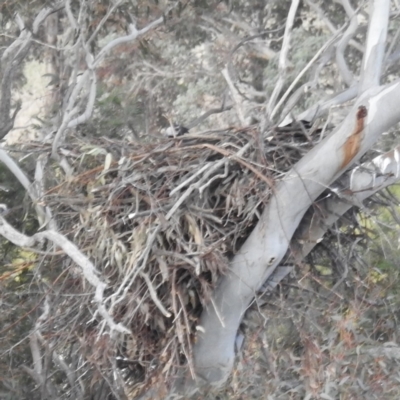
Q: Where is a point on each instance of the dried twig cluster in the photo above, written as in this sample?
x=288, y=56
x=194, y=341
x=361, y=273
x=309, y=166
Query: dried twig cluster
x=160, y=222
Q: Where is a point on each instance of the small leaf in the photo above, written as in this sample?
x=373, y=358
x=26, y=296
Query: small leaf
x=325, y=271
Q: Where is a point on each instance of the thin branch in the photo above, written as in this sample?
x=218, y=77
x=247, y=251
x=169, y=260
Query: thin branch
x=322, y=107
x=283, y=63
x=237, y=99
x=153, y=295
x=301, y=74
x=42, y=213
x=125, y=39
x=88, y=269
x=322, y=16
x=344, y=70
x=103, y=21
x=12, y=58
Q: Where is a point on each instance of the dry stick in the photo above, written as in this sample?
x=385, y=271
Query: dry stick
x=236, y=157
x=235, y=96
x=190, y=355
x=134, y=272
x=283, y=56
x=217, y=165
x=219, y=176
x=184, y=183
x=153, y=295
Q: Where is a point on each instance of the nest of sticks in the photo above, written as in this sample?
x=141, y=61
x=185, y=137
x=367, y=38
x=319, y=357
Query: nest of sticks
x=160, y=222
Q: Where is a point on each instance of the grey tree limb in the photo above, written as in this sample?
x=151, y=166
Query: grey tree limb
x=376, y=42
x=301, y=74
x=43, y=214
x=269, y=241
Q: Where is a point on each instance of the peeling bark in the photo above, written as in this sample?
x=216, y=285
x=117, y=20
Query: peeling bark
x=352, y=145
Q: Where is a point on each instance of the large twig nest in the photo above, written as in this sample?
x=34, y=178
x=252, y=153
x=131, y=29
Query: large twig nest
x=160, y=222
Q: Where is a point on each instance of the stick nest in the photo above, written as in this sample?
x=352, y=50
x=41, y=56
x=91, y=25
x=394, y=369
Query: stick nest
x=160, y=222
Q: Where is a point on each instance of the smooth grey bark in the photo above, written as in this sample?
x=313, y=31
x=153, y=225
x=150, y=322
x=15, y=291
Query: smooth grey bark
x=376, y=41
x=269, y=241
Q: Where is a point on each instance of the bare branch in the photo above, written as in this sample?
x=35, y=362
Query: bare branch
x=375, y=46
x=88, y=269
x=70, y=120
x=124, y=39
x=153, y=295
x=301, y=74
x=44, y=214
x=323, y=106
x=322, y=15
x=238, y=100
x=283, y=63
x=103, y=21
x=345, y=72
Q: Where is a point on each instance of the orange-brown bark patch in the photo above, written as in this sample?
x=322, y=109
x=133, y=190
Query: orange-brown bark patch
x=352, y=145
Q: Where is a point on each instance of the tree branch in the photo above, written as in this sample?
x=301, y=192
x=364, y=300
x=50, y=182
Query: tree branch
x=376, y=42
x=88, y=269
x=344, y=70
x=283, y=56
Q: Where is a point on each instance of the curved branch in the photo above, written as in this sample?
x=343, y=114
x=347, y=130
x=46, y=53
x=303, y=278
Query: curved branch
x=43, y=213
x=88, y=269
x=128, y=38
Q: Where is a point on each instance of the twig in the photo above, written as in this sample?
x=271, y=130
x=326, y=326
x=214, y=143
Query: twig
x=302, y=72
x=153, y=295
x=283, y=63
x=235, y=96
